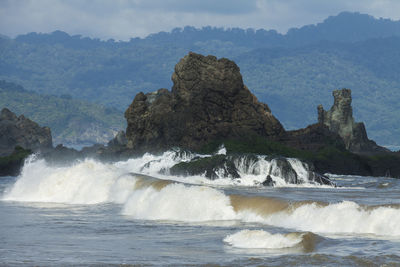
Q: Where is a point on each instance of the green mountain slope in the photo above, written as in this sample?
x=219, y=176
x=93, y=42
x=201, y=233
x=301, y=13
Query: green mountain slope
x=292, y=73
x=294, y=82
x=71, y=121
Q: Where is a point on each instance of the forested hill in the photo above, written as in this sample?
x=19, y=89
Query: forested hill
x=291, y=72
x=345, y=27
x=294, y=81
x=71, y=121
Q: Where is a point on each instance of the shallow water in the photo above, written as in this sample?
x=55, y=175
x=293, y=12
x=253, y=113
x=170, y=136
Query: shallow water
x=95, y=213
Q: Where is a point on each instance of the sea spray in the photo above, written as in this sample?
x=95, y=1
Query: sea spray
x=301, y=169
x=144, y=197
x=221, y=150
x=186, y=203
x=86, y=182
x=342, y=217
x=252, y=169
x=178, y=202
x=154, y=164
x=260, y=239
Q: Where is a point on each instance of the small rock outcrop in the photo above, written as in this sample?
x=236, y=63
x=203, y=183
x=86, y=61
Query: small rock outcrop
x=21, y=131
x=118, y=140
x=208, y=102
x=339, y=119
x=211, y=167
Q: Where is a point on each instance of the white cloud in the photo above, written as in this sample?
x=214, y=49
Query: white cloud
x=123, y=19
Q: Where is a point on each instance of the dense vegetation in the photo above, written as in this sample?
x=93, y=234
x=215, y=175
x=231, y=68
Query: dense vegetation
x=71, y=121
x=292, y=73
x=11, y=164
x=294, y=81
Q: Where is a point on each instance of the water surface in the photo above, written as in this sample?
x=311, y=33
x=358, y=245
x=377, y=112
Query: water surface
x=96, y=213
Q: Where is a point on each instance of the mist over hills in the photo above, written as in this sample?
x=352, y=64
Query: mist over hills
x=72, y=121
x=292, y=73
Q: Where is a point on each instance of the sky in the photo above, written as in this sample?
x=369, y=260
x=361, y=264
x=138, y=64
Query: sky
x=125, y=19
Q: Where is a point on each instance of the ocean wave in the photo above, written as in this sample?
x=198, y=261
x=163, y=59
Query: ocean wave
x=149, y=198
x=87, y=182
x=178, y=202
x=260, y=239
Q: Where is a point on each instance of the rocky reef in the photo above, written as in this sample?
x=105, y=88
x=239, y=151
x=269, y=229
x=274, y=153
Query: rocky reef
x=339, y=119
x=273, y=169
x=208, y=102
x=21, y=131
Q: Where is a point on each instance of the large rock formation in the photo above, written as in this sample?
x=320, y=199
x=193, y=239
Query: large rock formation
x=339, y=119
x=21, y=131
x=312, y=138
x=208, y=102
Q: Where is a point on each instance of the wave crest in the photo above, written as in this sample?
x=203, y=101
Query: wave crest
x=260, y=239
x=145, y=197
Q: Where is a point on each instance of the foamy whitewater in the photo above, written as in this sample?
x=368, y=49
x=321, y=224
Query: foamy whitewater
x=263, y=239
x=227, y=210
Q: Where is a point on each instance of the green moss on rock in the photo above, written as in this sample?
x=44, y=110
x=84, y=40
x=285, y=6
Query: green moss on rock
x=10, y=165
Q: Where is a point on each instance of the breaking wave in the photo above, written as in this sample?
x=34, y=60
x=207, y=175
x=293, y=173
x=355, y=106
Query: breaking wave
x=252, y=169
x=260, y=239
x=178, y=202
x=88, y=182
x=149, y=198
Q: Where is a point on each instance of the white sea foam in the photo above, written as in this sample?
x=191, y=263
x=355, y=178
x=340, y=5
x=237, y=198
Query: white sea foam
x=342, y=217
x=92, y=182
x=221, y=150
x=263, y=239
x=252, y=170
x=179, y=202
x=87, y=182
x=152, y=164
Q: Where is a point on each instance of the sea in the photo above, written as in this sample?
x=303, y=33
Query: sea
x=132, y=212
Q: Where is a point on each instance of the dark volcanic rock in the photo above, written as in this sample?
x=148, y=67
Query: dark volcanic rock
x=11, y=165
x=268, y=181
x=233, y=166
x=21, y=131
x=119, y=139
x=214, y=167
x=208, y=102
x=313, y=138
x=282, y=168
x=339, y=119
x=320, y=179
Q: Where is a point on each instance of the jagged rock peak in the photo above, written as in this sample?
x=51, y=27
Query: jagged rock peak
x=195, y=73
x=208, y=101
x=340, y=114
x=339, y=119
x=21, y=131
x=6, y=114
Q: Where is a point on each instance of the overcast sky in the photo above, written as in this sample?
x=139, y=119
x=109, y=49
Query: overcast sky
x=123, y=19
